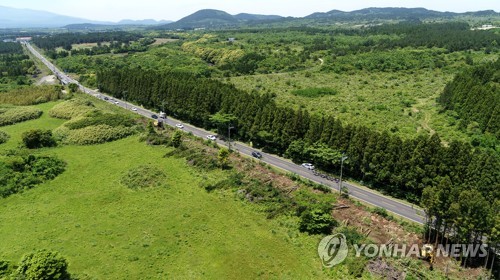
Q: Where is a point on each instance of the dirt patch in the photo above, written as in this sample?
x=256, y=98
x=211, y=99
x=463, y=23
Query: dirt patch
x=262, y=173
x=48, y=80
x=376, y=227
x=383, y=269
x=160, y=41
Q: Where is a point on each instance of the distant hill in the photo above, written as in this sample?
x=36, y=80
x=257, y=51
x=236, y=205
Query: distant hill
x=142, y=22
x=392, y=13
x=15, y=18
x=209, y=18
x=245, y=16
x=23, y=18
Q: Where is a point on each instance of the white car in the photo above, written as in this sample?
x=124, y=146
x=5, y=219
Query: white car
x=179, y=126
x=134, y=109
x=211, y=137
x=116, y=102
x=308, y=166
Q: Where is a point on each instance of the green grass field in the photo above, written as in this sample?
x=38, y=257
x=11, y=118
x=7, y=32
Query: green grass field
x=108, y=231
x=402, y=102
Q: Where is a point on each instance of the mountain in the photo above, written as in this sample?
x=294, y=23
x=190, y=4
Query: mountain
x=204, y=19
x=209, y=18
x=248, y=17
x=392, y=13
x=22, y=18
x=142, y=22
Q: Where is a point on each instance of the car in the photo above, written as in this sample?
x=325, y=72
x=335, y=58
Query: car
x=106, y=98
x=180, y=126
x=211, y=137
x=308, y=166
x=154, y=116
x=134, y=109
x=116, y=102
x=256, y=154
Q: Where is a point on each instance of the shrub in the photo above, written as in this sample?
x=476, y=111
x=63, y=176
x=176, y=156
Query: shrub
x=5, y=268
x=316, y=221
x=20, y=173
x=71, y=108
x=314, y=92
x=4, y=137
x=18, y=114
x=144, y=176
x=381, y=212
x=97, y=134
x=37, y=138
x=176, y=140
x=97, y=118
x=30, y=95
x=42, y=265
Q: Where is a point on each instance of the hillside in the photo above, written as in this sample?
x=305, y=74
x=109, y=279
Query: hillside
x=394, y=13
x=15, y=18
x=216, y=19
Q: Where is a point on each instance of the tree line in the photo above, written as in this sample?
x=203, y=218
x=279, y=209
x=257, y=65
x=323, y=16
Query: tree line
x=14, y=64
x=401, y=167
x=66, y=40
x=475, y=95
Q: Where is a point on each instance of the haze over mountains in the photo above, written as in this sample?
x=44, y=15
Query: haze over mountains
x=209, y=18
x=24, y=18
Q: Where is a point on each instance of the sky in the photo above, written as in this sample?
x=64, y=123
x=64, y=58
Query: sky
x=115, y=10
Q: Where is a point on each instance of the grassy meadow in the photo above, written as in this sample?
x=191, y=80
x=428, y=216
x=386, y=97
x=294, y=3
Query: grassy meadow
x=108, y=231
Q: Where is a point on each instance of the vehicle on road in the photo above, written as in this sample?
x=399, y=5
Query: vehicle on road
x=134, y=109
x=116, y=102
x=211, y=137
x=105, y=98
x=154, y=116
x=180, y=126
x=256, y=154
x=308, y=166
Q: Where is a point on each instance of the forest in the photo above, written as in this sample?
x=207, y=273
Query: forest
x=475, y=95
x=66, y=40
x=14, y=65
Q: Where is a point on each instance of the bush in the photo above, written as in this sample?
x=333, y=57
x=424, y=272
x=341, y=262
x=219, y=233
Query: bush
x=38, y=138
x=20, y=173
x=97, y=134
x=144, y=176
x=316, y=221
x=30, y=95
x=4, y=137
x=71, y=108
x=97, y=118
x=42, y=265
x=314, y=92
x=5, y=268
x=381, y=212
x=18, y=114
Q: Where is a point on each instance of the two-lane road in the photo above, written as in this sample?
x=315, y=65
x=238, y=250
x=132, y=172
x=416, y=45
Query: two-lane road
x=366, y=195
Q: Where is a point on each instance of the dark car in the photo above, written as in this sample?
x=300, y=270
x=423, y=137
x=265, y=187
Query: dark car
x=256, y=154
x=154, y=117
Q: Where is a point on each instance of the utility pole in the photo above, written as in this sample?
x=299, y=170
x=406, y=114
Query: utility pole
x=229, y=136
x=341, y=166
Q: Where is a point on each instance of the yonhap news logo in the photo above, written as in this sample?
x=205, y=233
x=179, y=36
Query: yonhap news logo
x=333, y=249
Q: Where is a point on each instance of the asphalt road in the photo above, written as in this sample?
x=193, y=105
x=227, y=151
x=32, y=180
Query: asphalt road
x=366, y=195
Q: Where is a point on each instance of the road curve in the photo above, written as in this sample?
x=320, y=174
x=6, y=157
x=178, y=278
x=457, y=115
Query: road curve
x=403, y=209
